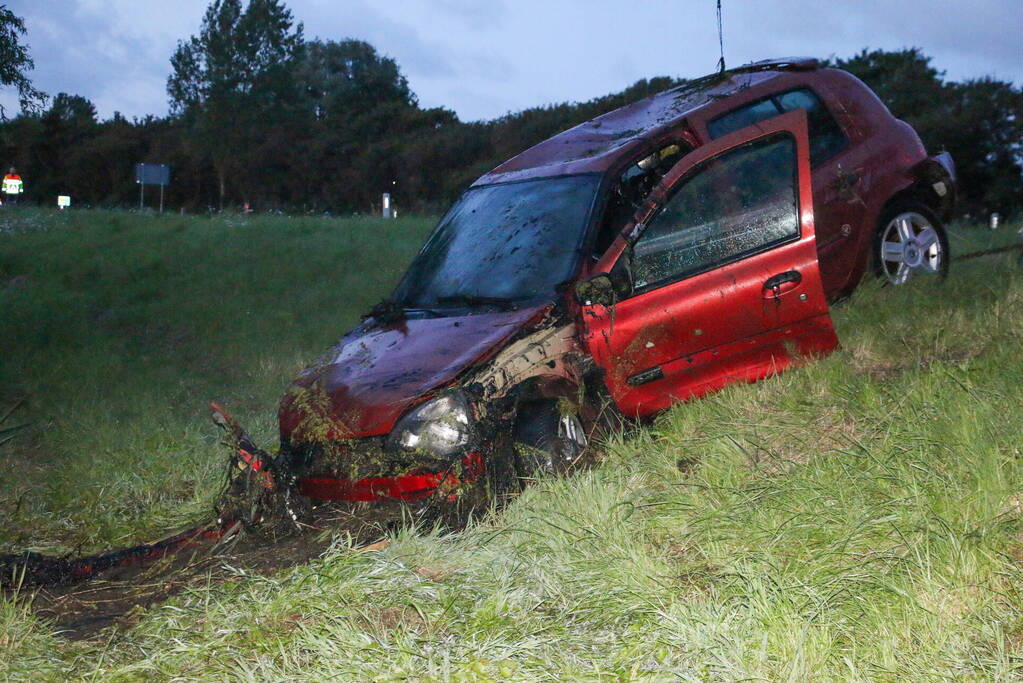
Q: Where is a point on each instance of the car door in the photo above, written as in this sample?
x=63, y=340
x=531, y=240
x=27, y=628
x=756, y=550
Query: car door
x=717, y=278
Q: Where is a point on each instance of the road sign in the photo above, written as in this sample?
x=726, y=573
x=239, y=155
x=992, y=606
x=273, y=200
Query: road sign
x=63, y=202
x=151, y=174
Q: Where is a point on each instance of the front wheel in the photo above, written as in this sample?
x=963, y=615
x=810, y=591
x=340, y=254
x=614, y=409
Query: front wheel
x=910, y=241
x=547, y=441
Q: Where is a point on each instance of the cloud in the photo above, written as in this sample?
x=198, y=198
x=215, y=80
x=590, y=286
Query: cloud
x=399, y=39
x=116, y=53
x=964, y=39
x=474, y=14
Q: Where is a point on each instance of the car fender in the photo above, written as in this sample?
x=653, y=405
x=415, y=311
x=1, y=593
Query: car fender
x=937, y=179
x=546, y=362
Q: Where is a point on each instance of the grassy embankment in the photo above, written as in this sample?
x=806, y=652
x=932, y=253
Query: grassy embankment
x=117, y=330
x=856, y=518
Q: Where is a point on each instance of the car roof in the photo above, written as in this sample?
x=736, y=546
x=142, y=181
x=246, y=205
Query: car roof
x=596, y=145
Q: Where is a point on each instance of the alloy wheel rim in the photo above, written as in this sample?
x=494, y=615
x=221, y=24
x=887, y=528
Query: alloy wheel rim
x=571, y=429
x=910, y=246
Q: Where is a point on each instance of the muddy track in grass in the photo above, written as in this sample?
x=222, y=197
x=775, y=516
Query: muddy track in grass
x=120, y=596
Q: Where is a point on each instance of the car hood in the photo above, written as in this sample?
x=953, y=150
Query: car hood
x=376, y=372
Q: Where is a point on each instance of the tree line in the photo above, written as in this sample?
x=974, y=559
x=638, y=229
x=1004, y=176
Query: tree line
x=259, y=115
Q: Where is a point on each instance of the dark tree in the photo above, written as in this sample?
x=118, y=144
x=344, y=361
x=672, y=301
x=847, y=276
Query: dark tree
x=234, y=81
x=63, y=128
x=71, y=110
x=258, y=115
x=984, y=133
x=348, y=77
x=357, y=104
x=15, y=62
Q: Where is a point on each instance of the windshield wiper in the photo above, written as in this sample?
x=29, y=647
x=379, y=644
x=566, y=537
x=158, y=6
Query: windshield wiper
x=503, y=303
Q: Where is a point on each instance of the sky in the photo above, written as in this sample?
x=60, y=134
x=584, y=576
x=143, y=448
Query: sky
x=486, y=58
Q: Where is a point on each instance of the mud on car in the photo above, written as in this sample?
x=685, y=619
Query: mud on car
x=659, y=252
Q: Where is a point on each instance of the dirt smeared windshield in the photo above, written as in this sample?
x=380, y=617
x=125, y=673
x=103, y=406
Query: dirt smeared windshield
x=502, y=243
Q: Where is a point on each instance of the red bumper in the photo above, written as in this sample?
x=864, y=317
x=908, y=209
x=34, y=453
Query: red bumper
x=406, y=487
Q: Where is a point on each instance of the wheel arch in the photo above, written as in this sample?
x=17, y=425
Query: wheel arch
x=932, y=182
x=548, y=388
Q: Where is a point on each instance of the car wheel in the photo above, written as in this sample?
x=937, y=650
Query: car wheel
x=547, y=441
x=910, y=241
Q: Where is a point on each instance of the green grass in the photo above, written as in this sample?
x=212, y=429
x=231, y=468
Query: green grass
x=856, y=518
x=118, y=329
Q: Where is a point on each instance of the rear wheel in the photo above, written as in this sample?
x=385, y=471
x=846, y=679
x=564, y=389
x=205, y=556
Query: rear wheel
x=547, y=441
x=910, y=242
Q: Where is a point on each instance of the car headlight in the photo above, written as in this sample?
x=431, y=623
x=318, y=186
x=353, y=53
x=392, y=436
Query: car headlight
x=439, y=426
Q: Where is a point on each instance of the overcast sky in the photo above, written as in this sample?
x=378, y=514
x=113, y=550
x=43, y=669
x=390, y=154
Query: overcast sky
x=485, y=58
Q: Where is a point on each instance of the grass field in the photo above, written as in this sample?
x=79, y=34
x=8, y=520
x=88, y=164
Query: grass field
x=117, y=330
x=856, y=518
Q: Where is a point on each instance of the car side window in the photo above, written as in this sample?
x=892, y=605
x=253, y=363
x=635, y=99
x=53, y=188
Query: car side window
x=826, y=137
x=742, y=117
x=735, y=205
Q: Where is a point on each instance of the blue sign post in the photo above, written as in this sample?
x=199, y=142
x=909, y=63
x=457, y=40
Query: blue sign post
x=151, y=174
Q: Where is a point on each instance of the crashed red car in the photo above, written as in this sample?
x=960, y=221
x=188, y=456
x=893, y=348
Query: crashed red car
x=654, y=254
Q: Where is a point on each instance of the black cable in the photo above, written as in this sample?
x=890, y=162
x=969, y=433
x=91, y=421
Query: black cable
x=721, y=41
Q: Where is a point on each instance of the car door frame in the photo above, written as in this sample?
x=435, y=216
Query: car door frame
x=754, y=352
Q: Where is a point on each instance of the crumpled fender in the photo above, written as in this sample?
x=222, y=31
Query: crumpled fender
x=938, y=174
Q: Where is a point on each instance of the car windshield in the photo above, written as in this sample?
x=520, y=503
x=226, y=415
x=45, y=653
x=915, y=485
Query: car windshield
x=502, y=243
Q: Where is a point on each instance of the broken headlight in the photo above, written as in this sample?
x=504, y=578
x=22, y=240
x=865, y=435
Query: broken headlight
x=440, y=426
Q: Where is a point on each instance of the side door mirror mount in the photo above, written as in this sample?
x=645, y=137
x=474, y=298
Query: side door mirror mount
x=605, y=289
x=596, y=290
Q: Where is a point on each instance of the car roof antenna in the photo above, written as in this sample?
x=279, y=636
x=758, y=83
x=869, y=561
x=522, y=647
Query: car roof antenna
x=721, y=42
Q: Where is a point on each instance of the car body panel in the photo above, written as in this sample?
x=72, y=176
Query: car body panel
x=598, y=145
x=378, y=371
x=701, y=333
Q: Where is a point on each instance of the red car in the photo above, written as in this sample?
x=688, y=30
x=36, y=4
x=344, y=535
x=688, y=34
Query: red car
x=651, y=255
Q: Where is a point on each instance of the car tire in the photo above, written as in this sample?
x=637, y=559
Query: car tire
x=910, y=241
x=546, y=442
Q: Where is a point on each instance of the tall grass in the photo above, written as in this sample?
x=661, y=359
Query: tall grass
x=857, y=518
x=116, y=330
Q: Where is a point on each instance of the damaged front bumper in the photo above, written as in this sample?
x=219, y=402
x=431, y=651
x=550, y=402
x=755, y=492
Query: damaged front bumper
x=405, y=487
x=432, y=448
x=362, y=470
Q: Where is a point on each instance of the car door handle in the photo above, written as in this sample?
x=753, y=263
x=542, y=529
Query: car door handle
x=776, y=285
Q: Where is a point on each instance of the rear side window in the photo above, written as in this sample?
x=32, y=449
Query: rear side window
x=826, y=138
x=742, y=117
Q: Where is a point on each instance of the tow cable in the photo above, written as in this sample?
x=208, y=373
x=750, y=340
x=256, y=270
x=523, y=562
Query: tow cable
x=258, y=490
